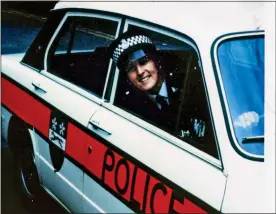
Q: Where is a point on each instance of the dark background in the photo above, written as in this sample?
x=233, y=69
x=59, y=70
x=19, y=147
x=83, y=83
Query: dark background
x=39, y=8
x=21, y=22
x=17, y=33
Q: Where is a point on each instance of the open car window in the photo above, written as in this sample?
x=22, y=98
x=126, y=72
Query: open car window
x=189, y=118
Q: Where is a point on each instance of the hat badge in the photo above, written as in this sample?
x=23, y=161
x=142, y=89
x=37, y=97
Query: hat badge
x=125, y=44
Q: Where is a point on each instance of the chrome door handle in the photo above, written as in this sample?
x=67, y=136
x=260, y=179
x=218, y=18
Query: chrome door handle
x=38, y=86
x=96, y=125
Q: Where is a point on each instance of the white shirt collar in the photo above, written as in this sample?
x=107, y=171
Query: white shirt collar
x=163, y=92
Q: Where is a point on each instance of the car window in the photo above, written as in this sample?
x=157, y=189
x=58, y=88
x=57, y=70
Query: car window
x=189, y=117
x=79, y=52
x=241, y=64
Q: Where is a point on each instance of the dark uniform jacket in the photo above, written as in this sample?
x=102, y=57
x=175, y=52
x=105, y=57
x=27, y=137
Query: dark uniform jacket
x=147, y=108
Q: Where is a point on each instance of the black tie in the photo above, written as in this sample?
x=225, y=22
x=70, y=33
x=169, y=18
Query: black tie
x=162, y=101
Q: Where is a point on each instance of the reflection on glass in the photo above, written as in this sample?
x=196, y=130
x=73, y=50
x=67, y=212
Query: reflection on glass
x=241, y=64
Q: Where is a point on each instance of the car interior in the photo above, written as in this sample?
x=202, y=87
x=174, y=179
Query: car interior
x=88, y=70
x=85, y=69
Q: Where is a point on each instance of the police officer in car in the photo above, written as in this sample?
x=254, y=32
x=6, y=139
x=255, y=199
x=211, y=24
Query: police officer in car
x=155, y=99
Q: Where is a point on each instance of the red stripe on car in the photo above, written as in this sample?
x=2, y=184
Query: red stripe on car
x=26, y=107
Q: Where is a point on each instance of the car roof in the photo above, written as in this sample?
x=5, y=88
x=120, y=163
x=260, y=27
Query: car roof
x=202, y=21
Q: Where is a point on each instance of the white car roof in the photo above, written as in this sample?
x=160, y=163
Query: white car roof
x=199, y=20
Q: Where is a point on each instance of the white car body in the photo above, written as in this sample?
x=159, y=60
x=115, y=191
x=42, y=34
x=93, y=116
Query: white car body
x=230, y=183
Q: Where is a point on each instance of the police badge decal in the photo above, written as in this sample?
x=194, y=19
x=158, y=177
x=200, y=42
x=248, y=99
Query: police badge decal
x=58, y=130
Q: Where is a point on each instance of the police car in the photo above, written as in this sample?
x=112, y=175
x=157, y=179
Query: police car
x=64, y=118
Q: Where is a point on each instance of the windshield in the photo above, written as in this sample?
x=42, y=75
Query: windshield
x=241, y=62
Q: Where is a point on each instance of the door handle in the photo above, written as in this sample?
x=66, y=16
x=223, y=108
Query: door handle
x=96, y=125
x=38, y=86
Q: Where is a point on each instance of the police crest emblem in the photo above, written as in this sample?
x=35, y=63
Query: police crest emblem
x=58, y=130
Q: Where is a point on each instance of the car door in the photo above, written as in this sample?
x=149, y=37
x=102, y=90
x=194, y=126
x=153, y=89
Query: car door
x=76, y=67
x=135, y=165
x=245, y=115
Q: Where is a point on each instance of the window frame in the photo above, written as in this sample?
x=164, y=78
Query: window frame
x=66, y=83
x=222, y=94
x=154, y=129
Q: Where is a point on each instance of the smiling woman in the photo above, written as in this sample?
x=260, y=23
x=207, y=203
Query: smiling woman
x=166, y=89
x=144, y=74
x=192, y=143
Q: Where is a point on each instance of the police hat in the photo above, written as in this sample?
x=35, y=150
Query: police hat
x=130, y=47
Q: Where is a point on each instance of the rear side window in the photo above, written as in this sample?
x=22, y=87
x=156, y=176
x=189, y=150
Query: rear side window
x=79, y=52
x=188, y=117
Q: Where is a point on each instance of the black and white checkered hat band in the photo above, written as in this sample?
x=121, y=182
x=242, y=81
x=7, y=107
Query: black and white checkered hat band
x=129, y=42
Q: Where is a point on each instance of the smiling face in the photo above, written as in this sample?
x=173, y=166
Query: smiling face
x=143, y=74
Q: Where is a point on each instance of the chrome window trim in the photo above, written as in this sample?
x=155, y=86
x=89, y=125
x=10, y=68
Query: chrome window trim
x=66, y=83
x=227, y=110
x=159, y=30
x=114, y=85
x=29, y=66
x=107, y=78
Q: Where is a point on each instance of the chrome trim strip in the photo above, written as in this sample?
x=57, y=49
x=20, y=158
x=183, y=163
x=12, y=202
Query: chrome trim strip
x=55, y=198
x=158, y=30
x=70, y=184
x=114, y=85
x=31, y=67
